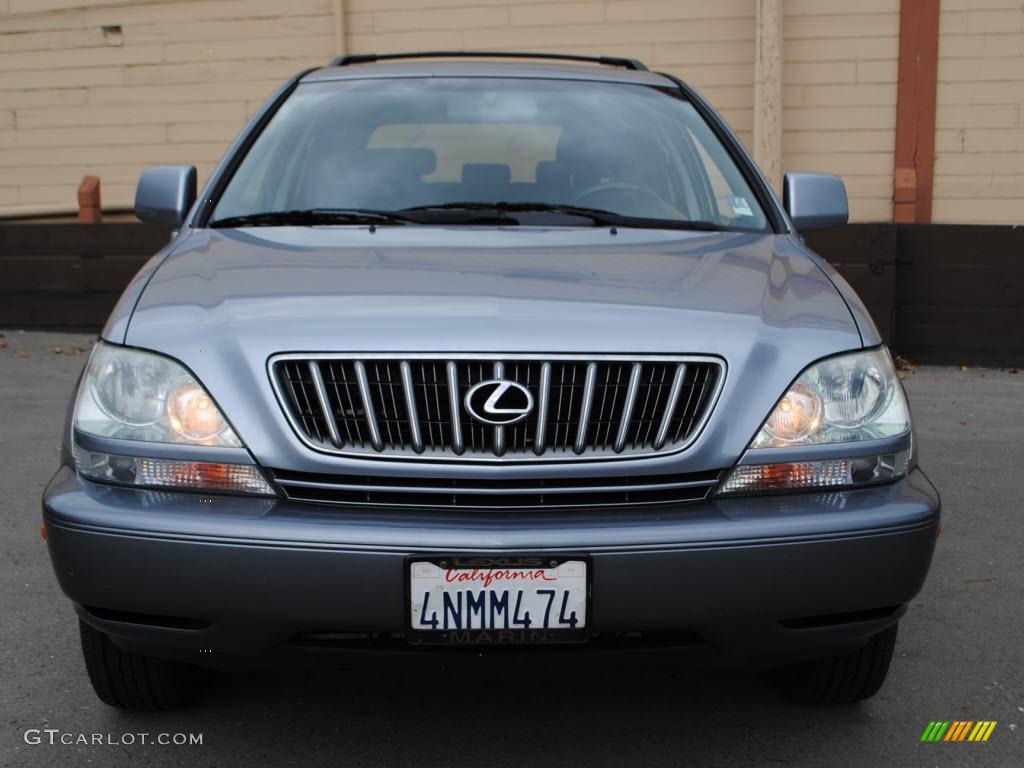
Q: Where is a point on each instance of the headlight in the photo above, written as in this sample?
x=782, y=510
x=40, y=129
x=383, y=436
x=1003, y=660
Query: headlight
x=851, y=397
x=843, y=399
x=134, y=395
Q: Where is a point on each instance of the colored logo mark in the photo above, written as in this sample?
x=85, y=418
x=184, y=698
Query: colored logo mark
x=958, y=730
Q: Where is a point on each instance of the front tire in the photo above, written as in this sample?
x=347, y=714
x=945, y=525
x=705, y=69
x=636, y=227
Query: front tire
x=129, y=680
x=843, y=679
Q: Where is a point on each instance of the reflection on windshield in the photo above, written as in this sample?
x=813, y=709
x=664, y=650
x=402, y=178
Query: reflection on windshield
x=632, y=153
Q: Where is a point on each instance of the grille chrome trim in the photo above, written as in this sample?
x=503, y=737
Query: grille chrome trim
x=673, y=400
x=384, y=487
x=499, y=432
x=321, y=395
x=540, y=435
x=371, y=416
x=589, y=407
x=627, y=411
x=410, y=407
x=588, y=403
x=454, y=407
x=438, y=493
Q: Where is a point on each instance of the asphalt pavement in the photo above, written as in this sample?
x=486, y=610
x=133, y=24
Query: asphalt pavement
x=960, y=653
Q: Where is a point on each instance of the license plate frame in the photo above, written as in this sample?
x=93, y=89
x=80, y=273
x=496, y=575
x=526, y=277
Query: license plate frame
x=484, y=637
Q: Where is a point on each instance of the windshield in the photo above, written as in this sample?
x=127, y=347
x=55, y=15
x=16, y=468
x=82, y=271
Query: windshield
x=396, y=145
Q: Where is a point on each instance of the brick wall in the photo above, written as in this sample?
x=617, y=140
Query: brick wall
x=183, y=77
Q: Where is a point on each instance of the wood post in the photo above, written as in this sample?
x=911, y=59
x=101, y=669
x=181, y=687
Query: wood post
x=338, y=10
x=915, y=111
x=89, y=210
x=768, y=91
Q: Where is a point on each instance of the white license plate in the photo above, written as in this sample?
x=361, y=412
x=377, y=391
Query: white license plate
x=522, y=599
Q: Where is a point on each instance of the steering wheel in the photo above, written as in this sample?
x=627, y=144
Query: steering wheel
x=630, y=208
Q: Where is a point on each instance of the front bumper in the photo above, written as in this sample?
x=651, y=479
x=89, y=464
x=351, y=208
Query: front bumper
x=230, y=580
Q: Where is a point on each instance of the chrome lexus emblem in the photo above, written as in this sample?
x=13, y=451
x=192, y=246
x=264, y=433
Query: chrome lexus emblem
x=499, y=402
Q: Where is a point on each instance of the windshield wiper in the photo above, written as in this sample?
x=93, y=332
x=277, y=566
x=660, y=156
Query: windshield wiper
x=598, y=217
x=311, y=216
x=449, y=213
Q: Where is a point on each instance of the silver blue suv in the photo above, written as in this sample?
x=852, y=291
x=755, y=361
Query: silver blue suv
x=473, y=351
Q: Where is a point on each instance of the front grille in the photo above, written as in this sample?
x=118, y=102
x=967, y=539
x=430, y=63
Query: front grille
x=481, y=493
x=414, y=406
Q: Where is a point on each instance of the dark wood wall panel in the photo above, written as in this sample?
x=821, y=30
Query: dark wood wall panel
x=956, y=291
x=69, y=276
x=960, y=294
x=866, y=256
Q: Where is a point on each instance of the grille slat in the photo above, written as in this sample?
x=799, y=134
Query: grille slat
x=589, y=384
x=410, y=407
x=340, y=396
x=368, y=409
x=698, y=392
x=499, y=432
x=454, y=408
x=413, y=406
x=627, y=411
x=321, y=395
x=673, y=398
x=543, y=400
x=299, y=388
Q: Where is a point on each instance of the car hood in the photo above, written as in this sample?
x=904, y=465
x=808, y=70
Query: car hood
x=224, y=301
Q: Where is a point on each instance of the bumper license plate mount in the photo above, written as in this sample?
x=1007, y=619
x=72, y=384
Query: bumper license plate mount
x=527, y=599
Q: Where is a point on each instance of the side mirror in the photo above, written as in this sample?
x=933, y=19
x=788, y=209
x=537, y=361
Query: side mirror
x=165, y=194
x=815, y=200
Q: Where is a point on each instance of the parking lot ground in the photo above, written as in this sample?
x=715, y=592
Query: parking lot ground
x=960, y=653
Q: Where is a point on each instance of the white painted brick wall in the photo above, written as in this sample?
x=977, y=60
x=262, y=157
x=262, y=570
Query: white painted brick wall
x=839, y=96
x=177, y=91
x=979, y=142
x=190, y=72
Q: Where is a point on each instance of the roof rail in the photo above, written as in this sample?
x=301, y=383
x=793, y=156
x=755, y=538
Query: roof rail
x=367, y=58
